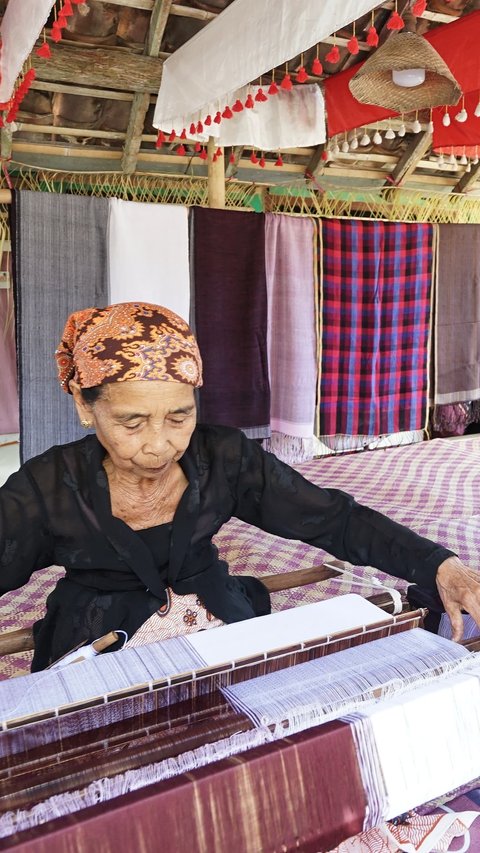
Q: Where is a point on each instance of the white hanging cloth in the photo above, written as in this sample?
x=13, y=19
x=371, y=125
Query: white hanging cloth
x=21, y=25
x=245, y=41
x=148, y=256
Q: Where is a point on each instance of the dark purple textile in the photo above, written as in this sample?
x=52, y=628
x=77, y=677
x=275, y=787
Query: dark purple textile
x=230, y=298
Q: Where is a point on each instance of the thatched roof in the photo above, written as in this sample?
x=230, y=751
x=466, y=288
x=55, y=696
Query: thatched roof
x=91, y=106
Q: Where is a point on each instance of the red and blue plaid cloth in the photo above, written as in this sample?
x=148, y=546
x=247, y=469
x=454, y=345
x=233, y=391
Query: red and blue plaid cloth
x=375, y=316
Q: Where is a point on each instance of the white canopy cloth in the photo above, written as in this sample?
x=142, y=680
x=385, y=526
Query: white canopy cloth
x=286, y=120
x=21, y=25
x=246, y=40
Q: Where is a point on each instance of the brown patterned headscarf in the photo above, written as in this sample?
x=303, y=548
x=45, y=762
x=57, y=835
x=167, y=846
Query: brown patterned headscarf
x=130, y=340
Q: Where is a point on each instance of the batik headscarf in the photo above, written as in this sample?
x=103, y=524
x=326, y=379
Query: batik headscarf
x=130, y=340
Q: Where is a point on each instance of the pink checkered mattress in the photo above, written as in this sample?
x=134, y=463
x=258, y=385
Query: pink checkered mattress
x=433, y=487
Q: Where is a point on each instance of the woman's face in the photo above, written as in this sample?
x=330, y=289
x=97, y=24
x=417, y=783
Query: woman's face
x=143, y=426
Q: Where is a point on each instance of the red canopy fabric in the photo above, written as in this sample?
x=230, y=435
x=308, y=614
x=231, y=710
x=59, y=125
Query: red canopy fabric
x=457, y=44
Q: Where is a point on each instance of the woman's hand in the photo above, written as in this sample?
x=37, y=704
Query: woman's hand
x=459, y=589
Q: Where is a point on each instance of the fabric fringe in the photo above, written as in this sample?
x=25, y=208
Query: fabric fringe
x=106, y=789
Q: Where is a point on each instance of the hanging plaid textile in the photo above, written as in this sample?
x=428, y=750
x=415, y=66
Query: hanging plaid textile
x=376, y=317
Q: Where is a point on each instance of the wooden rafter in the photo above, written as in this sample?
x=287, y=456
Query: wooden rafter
x=407, y=164
x=231, y=168
x=97, y=66
x=141, y=102
x=467, y=180
x=316, y=162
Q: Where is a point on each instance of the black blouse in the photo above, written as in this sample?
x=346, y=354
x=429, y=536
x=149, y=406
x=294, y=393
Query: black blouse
x=56, y=510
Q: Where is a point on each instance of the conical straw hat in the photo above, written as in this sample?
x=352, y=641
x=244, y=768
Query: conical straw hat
x=373, y=83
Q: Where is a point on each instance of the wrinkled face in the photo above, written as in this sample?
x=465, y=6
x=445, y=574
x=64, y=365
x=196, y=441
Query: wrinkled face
x=143, y=426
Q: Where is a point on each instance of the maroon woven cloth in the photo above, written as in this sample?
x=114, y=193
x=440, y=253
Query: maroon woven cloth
x=230, y=296
x=302, y=793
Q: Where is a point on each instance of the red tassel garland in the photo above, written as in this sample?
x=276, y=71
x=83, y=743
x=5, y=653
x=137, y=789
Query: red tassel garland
x=238, y=106
x=261, y=96
x=286, y=83
x=197, y=147
x=160, y=139
x=231, y=159
x=227, y=113
x=203, y=154
x=44, y=50
x=66, y=9
x=302, y=75
x=317, y=67
x=218, y=152
x=333, y=55
x=208, y=120
x=249, y=103
x=279, y=161
x=261, y=162
x=273, y=88
x=419, y=7
x=372, y=37
x=199, y=127
x=395, y=21
x=253, y=158
x=218, y=117
x=55, y=34
x=352, y=46
x=183, y=134
x=172, y=136
x=192, y=129
x=181, y=150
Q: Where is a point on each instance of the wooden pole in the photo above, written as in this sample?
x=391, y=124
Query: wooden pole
x=216, y=177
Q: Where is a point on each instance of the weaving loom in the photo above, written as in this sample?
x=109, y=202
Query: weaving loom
x=167, y=737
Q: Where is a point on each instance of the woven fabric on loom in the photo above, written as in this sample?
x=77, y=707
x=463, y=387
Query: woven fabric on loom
x=230, y=297
x=60, y=265
x=375, y=315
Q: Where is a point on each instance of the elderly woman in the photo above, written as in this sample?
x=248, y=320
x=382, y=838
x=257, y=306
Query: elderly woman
x=130, y=511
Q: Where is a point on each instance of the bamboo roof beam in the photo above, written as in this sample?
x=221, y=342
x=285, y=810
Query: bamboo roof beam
x=141, y=101
x=467, y=180
x=407, y=164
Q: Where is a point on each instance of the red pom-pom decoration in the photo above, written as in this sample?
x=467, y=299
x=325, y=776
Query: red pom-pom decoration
x=172, y=136
x=208, y=120
x=218, y=117
x=286, y=83
x=302, y=75
x=419, y=7
x=44, y=50
x=372, y=37
x=261, y=96
x=183, y=134
x=231, y=159
x=56, y=34
x=218, y=152
x=181, y=150
x=227, y=113
x=273, y=88
x=352, y=46
x=317, y=67
x=203, y=154
x=238, y=106
x=253, y=158
x=333, y=55
x=160, y=139
x=249, y=103
x=67, y=9
x=197, y=147
x=192, y=129
x=199, y=127
x=261, y=162
x=395, y=22
x=279, y=161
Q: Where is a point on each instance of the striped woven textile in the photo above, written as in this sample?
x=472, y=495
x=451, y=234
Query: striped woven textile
x=376, y=313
